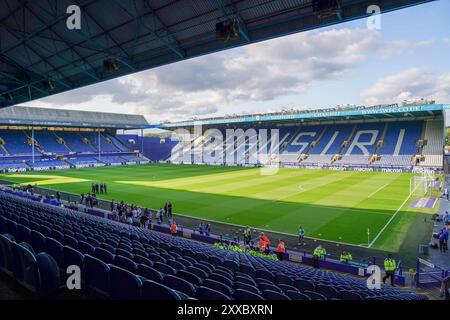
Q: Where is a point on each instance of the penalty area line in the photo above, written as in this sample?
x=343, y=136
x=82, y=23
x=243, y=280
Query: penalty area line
x=376, y=191
x=390, y=220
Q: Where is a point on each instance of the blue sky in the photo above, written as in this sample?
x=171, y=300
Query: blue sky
x=346, y=63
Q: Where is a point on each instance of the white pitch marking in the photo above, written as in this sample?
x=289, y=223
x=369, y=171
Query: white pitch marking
x=376, y=191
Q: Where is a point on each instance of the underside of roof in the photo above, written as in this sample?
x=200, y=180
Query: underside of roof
x=41, y=56
x=30, y=116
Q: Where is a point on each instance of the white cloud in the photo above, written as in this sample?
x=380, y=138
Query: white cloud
x=261, y=72
x=411, y=83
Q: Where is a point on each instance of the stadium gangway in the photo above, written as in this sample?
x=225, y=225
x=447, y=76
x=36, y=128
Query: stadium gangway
x=431, y=277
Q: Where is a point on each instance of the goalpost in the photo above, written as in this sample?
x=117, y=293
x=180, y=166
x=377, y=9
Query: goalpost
x=423, y=184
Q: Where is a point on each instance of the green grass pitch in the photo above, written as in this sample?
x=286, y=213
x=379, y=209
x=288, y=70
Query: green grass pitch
x=331, y=205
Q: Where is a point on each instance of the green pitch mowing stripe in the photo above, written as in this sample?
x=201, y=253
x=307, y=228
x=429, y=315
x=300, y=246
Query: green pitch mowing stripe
x=331, y=205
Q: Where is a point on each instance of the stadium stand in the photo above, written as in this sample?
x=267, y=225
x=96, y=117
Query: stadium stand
x=389, y=144
x=151, y=265
x=86, y=139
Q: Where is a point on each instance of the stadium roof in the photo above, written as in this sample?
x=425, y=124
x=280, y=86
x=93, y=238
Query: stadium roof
x=350, y=114
x=30, y=116
x=41, y=56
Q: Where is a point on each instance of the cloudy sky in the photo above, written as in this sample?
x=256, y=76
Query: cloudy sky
x=408, y=58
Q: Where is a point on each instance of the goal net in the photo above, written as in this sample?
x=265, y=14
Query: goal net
x=423, y=185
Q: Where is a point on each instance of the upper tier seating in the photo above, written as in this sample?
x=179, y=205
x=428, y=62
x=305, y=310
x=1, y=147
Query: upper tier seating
x=433, y=151
x=150, y=265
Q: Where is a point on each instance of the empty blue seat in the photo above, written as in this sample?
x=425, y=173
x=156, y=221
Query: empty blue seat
x=140, y=252
x=104, y=255
x=25, y=267
x=164, y=268
x=124, y=253
x=12, y=227
x=57, y=235
x=142, y=260
x=264, y=274
x=314, y=295
x=46, y=231
x=198, y=272
x=48, y=273
x=6, y=260
x=71, y=242
x=231, y=265
x=179, y=284
x=56, y=250
x=97, y=275
x=303, y=285
x=204, y=293
x=219, y=286
x=247, y=287
x=247, y=269
x=93, y=242
x=188, y=276
x=274, y=295
x=3, y=225
x=150, y=273
x=108, y=247
x=348, y=295
x=23, y=234
x=283, y=279
x=242, y=294
x=152, y=290
x=271, y=287
x=73, y=257
x=295, y=295
x=124, y=284
x=176, y=264
x=156, y=258
x=328, y=291
x=38, y=241
x=85, y=248
x=125, y=263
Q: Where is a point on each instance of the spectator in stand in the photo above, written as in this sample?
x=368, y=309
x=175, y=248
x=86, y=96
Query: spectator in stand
x=166, y=210
x=173, y=228
x=301, y=235
x=169, y=209
x=281, y=250
x=445, y=288
x=247, y=235
x=82, y=198
x=111, y=205
x=441, y=237
x=144, y=219
x=208, y=229
x=105, y=188
x=264, y=243
x=58, y=196
x=200, y=228
x=318, y=254
x=446, y=218
x=161, y=215
x=446, y=233
x=101, y=187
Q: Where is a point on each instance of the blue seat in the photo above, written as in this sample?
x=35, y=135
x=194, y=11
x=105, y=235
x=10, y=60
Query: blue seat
x=286, y=287
x=231, y=265
x=125, y=263
x=125, y=285
x=152, y=290
x=247, y=287
x=304, y=285
x=56, y=250
x=71, y=242
x=176, y=265
x=220, y=278
x=93, y=242
x=97, y=275
x=188, y=276
x=3, y=225
x=328, y=291
x=46, y=231
x=38, y=241
x=25, y=267
x=164, y=268
x=73, y=257
x=104, y=255
x=85, y=248
x=156, y=258
x=6, y=260
x=314, y=295
x=113, y=243
x=49, y=274
x=125, y=246
x=80, y=237
x=204, y=293
x=219, y=286
x=150, y=273
x=57, y=235
x=108, y=247
x=140, y=252
x=274, y=295
x=245, y=280
x=23, y=234
x=179, y=284
x=12, y=227
x=142, y=260
x=348, y=295
x=247, y=269
x=271, y=287
x=283, y=279
x=264, y=274
x=124, y=253
x=295, y=295
x=242, y=294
